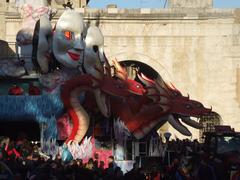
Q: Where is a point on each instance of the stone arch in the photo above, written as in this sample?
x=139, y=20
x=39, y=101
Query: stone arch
x=145, y=59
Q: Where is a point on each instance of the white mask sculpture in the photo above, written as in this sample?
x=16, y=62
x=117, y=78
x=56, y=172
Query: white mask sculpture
x=68, y=44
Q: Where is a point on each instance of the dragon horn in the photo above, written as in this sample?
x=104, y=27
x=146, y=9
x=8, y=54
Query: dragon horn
x=145, y=80
x=121, y=72
x=188, y=96
x=107, y=65
x=140, y=77
x=174, y=87
x=168, y=85
x=162, y=86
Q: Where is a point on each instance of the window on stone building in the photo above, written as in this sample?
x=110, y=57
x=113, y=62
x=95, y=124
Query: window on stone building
x=208, y=122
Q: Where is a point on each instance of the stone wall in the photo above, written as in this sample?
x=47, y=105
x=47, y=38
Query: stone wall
x=195, y=49
x=190, y=3
x=2, y=19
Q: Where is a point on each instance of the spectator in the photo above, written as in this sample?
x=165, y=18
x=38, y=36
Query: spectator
x=118, y=174
x=206, y=171
x=90, y=164
x=136, y=173
x=111, y=161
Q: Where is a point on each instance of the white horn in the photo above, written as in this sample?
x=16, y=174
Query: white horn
x=192, y=123
x=176, y=124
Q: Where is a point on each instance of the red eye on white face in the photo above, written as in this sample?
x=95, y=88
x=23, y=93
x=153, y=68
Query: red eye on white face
x=68, y=35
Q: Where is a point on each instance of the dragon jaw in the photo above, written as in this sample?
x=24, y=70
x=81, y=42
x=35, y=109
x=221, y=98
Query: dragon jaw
x=189, y=108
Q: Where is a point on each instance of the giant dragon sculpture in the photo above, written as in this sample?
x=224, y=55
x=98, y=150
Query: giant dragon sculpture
x=77, y=78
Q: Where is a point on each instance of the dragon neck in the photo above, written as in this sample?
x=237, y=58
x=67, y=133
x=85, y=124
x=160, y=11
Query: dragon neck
x=71, y=90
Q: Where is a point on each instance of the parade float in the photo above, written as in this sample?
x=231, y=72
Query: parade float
x=78, y=89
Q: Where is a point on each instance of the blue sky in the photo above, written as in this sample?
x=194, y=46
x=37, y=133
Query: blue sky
x=156, y=3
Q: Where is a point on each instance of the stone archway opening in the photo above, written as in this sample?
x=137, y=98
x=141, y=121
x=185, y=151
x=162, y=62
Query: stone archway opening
x=134, y=67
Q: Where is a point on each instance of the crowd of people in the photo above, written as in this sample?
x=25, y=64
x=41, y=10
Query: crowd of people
x=24, y=160
x=183, y=160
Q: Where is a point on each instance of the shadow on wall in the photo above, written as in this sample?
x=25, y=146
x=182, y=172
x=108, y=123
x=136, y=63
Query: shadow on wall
x=5, y=50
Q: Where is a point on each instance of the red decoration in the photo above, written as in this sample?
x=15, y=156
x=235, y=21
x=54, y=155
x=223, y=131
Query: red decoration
x=15, y=90
x=34, y=90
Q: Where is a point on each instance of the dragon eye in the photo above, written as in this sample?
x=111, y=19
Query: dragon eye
x=138, y=86
x=68, y=35
x=188, y=106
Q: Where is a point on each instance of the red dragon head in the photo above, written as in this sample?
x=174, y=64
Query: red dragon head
x=171, y=97
x=158, y=100
x=133, y=86
x=122, y=88
x=173, y=105
x=188, y=107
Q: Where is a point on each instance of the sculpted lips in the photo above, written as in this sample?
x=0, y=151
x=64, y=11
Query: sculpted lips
x=74, y=56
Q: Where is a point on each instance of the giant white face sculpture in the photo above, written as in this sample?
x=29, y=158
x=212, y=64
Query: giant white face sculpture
x=68, y=44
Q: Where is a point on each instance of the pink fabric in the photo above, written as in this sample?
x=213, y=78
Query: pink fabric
x=64, y=127
x=32, y=15
x=103, y=154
